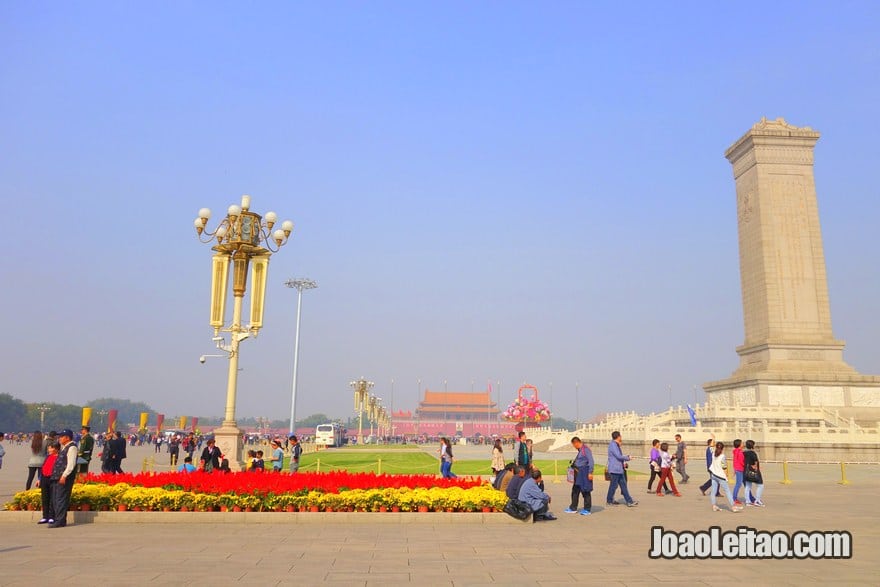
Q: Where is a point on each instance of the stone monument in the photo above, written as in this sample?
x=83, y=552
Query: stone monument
x=790, y=356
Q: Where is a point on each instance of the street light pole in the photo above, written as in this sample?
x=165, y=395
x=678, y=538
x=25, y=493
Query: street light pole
x=243, y=239
x=299, y=284
x=43, y=409
x=361, y=389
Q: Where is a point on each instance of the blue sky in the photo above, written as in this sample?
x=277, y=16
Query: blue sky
x=483, y=191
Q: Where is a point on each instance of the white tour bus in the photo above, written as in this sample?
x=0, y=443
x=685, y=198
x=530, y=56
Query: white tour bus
x=328, y=434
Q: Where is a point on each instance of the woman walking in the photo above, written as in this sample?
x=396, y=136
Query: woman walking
x=497, y=458
x=446, y=459
x=666, y=471
x=37, y=458
x=752, y=473
x=719, y=479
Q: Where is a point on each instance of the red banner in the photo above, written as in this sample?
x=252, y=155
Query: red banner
x=111, y=420
x=195, y=422
x=160, y=419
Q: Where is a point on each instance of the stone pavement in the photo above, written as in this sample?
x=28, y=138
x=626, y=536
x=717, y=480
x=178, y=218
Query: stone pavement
x=608, y=548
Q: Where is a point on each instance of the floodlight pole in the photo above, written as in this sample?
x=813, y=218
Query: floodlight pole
x=299, y=284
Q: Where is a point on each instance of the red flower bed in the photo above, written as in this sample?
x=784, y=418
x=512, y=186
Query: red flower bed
x=265, y=483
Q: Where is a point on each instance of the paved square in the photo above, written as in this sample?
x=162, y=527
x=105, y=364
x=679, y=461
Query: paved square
x=608, y=548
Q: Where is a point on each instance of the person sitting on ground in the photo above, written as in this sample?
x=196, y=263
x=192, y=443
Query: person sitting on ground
x=187, y=466
x=536, y=499
x=503, y=478
x=516, y=482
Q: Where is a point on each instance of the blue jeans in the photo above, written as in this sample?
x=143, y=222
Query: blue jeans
x=737, y=485
x=718, y=482
x=754, y=490
x=446, y=470
x=618, y=479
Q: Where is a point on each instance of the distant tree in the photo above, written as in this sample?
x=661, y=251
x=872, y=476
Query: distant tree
x=313, y=420
x=14, y=415
x=563, y=424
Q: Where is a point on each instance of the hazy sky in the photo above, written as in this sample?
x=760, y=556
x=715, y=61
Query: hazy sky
x=509, y=191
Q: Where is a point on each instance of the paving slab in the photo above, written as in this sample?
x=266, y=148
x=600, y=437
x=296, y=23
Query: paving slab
x=607, y=548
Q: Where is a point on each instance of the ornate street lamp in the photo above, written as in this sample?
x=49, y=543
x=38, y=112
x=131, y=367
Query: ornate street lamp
x=361, y=389
x=243, y=239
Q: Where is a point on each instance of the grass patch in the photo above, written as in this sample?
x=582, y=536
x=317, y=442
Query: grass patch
x=409, y=462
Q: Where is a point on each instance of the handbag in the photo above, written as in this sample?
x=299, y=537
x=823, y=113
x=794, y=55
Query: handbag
x=570, y=474
x=517, y=509
x=754, y=476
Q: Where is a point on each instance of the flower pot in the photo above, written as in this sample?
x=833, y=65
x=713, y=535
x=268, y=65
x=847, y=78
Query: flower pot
x=313, y=508
x=31, y=507
x=166, y=509
x=423, y=508
x=328, y=509
x=383, y=508
x=84, y=507
x=289, y=508
x=137, y=508
x=278, y=508
x=248, y=509
x=236, y=508
x=122, y=508
x=395, y=508
x=450, y=510
x=104, y=508
x=224, y=508
x=183, y=508
x=487, y=510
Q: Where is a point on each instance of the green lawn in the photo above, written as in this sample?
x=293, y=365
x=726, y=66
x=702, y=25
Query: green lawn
x=409, y=462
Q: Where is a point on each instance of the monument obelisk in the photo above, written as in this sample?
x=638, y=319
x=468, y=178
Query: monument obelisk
x=790, y=356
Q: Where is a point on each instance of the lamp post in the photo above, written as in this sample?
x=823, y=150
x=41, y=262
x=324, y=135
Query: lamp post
x=243, y=239
x=299, y=283
x=361, y=389
x=102, y=413
x=43, y=408
x=577, y=403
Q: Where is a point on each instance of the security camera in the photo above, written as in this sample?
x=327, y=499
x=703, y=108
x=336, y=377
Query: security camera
x=202, y=359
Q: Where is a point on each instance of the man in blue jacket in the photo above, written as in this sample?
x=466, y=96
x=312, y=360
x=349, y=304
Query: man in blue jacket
x=583, y=481
x=616, y=463
x=536, y=499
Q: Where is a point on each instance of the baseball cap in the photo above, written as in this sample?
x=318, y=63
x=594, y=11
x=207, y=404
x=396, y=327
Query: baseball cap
x=66, y=432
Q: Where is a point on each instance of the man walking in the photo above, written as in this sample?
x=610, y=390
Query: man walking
x=117, y=452
x=583, y=479
x=63, y=478
x=616, y=463
x=681, y=458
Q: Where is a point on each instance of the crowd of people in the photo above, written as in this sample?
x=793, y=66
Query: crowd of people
x=513, y=478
